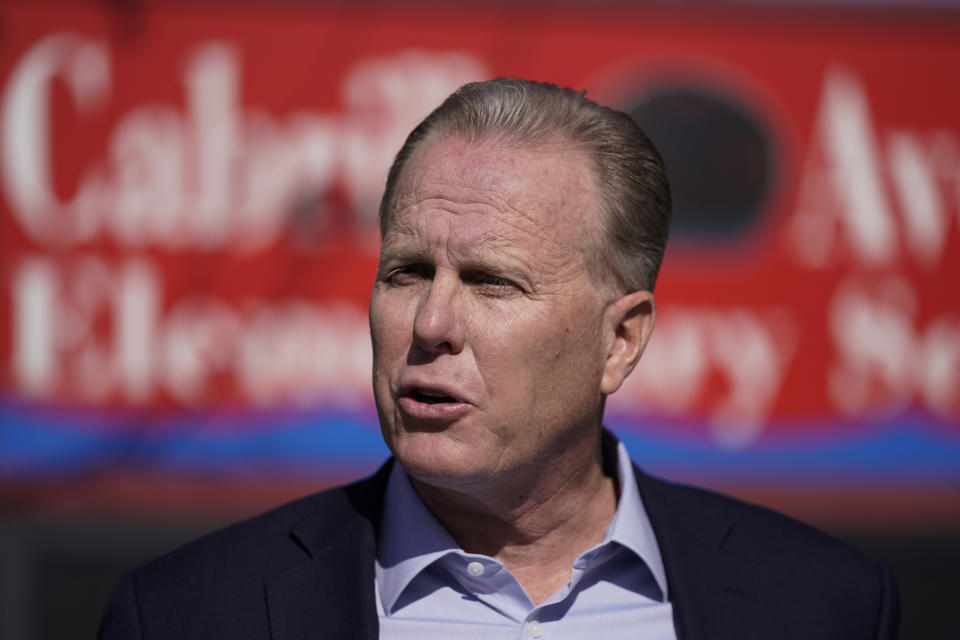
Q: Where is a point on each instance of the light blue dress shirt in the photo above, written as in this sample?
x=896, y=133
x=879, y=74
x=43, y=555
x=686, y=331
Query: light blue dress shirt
x=427, y=587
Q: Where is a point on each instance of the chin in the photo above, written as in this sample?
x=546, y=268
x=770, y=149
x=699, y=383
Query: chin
x=437, y=459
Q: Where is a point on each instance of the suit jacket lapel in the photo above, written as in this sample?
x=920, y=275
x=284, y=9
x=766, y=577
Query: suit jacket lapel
x=711, y=595
x=331, y=595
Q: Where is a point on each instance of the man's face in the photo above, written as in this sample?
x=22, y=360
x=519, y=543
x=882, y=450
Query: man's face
x=486, y=326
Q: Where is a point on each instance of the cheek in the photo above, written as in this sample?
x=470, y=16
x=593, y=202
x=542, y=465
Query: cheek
x=573, y=352
x=389, y=327
x=386, y=340
x=525, y=357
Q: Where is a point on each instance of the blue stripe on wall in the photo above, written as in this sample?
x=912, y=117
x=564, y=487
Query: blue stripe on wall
x=38, y=441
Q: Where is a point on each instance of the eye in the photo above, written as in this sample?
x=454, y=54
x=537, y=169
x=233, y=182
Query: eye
x=492, y=284
x=494, y=281
x=409, y=274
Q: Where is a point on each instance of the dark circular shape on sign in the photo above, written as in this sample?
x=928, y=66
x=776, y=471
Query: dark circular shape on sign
x=719, y=159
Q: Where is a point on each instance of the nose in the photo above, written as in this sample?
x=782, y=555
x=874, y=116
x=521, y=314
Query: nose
x=438, y=325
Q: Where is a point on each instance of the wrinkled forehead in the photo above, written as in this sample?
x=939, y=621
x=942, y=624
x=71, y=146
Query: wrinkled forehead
x=546, y=191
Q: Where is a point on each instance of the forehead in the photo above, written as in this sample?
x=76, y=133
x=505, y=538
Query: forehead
x=493, y=191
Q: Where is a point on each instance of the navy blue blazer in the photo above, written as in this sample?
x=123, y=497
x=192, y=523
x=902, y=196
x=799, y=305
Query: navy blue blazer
x=306, y=571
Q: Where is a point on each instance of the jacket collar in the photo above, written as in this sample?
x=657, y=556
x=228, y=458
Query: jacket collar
x=330, y=595
x=709, y=588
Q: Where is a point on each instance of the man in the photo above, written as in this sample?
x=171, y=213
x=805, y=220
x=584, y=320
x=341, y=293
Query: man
x=522, y=230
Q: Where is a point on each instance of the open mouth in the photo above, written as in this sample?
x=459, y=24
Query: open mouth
x=431, y=397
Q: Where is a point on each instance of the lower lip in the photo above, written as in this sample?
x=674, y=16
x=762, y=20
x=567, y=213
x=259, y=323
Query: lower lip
x=446, y=411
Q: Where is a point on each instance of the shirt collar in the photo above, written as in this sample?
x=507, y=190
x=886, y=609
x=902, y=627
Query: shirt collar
x=412, y=539
x=631, y=526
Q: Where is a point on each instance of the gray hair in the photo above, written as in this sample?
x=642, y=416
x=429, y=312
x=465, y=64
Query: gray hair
x=632, y=183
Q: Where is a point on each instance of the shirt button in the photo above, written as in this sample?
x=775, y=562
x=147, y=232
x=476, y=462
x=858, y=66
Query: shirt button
x=534, y=629
x=475, y=569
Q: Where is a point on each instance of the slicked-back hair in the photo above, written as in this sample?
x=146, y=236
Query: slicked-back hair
x=630, y=179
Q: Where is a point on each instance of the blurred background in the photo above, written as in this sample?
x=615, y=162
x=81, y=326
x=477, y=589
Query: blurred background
x=188, y=195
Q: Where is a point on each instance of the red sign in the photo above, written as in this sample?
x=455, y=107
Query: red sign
x=188, y=198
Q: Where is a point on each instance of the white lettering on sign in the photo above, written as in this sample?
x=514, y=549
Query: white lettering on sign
x=868, y=197
x=886, y=359
x=101, y=330
x=83, y=65
x=877, y=202
x=34, y=299
x=216, y=175
x=57, y=334
x=914, y=168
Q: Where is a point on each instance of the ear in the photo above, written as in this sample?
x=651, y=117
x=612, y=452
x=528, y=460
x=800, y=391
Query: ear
x=627, y=325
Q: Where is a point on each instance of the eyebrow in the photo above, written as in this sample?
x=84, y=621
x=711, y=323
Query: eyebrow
x=402, y=252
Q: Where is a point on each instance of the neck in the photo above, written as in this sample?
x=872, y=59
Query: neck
x=536, y=526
